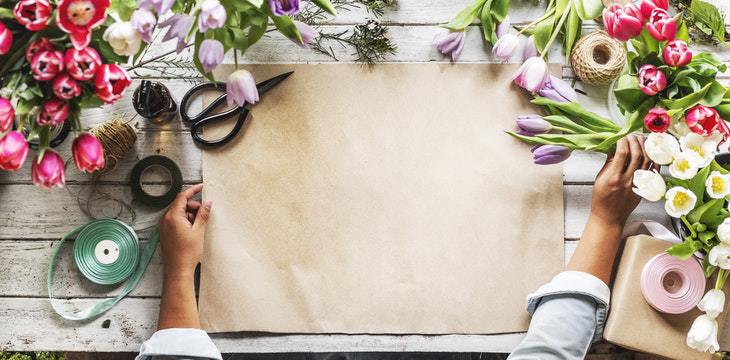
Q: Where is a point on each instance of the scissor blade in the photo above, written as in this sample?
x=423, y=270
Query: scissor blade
x=269, y=84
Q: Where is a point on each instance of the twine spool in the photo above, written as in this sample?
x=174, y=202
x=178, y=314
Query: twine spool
x=117, y=138
x=598, y=59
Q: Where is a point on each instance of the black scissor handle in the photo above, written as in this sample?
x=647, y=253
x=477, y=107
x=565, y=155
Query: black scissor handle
x=200, y=124
x=203, y=115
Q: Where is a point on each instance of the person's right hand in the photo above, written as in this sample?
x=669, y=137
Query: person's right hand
x=182, y=232
x=613, y=198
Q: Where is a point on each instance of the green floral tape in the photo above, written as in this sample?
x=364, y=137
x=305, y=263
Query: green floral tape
x=106, y=252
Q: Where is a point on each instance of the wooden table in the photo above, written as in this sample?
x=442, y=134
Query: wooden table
x=33, y=219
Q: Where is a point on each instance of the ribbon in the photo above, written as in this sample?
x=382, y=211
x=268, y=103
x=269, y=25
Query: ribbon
x=106, y=252
x=671, y=285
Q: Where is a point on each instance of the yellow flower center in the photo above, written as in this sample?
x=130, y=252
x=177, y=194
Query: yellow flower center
x=718, y=185
x=698, y=150
x=680, y=199
x=683, y=165
x=81, y=12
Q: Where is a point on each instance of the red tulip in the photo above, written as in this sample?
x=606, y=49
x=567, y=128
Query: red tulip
x=46, y=65
x=37, y=47
x=79, y=17
x=7, y=115
x=110, y=81
x=623, y=22
x=677, y=54
x=48, y=171
x=651, y=80
x=82, y=64
x=705, y=120
x=657, y=120
x=13, y=151
x=661, y=26
x=33, y=14
x=88, y=153
x=54, y=112
x=65, y=87
x=6, y=39
x=647, y=6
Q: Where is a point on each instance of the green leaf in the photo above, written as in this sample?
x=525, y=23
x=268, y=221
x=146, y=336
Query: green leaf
x=123, y=8
x=488, y=24
x=561, y=6
x=685, y=249
x=571, y=31
x=714, y=166
x=6, y=13
x=565, y=123
x=710, y=95
x=285, y=25
x=325, y=5
x=706, y=236
x=645, y=44
x=708, y=268
x=628, y=94
x=577, y=113
x=465, y=17
x=499, y=9
x=588, y=9
x=90, y=101
x=542, y=33
x=697, y=186
x=682, y=31
x=571, y=141
x=707, y=14
x=706, y=211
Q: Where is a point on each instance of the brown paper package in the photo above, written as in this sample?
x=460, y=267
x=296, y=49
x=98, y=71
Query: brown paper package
x=633, y=323
x=380, y=200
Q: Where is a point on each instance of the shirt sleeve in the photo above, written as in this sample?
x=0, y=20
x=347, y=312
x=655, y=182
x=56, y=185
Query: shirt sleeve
x=180, y=344
x=568, y=315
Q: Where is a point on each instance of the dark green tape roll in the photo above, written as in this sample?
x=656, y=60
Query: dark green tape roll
x=152, y=200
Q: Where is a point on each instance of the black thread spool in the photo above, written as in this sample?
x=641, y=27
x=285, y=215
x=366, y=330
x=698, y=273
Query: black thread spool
x=152, y=100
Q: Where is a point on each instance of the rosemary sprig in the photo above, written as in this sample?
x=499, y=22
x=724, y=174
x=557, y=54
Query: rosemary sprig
x=369, y=41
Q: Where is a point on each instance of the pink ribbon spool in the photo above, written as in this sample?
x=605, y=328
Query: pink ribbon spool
x=671, y=285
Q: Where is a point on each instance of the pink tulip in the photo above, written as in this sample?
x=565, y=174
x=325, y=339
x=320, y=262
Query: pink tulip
x=505, y=47
x=677, y=53
x=661, y=26
x=657, y=120
x=212, y=15
x=53, y=112
x=623, y=22
x=651, y=80
x=210, y=54
x=46, y=65
x=38, y=46
x=7, y=115
x=241, y=88
x=647, y=6
x=111, y=81
x=48, y=171
x=78, y=18
x=88, y=153
x=13, y=151
x=704, y=120
x=6, y=39
x=33, y=14
x=82, y=64
x=532, y=75
x=65, y=87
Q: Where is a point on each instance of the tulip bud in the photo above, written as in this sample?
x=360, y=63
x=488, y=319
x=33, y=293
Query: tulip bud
x=46, y=65
x=647, y=6
x=532, y=74
x=160, y=6
x=550, y=154
x=53, y=112
x=503, y=27
x=241, y=88
x=505, y=47
x=712, y=303
x=450, y=43
x=144, y=21
x=123, y=38
x=307, y=32
x=677, y=53
x=65, y=87
x=558, y=90
x=702, y=336
x=179, y=27
x=623, y=22
x=88, y=153
x=661, y=26
x=703, y=120
x=210, y=54
x=657, y=120
x=649, y=185
x=38, y=46
x=82, y=64
x=531, y=125
x=111, y=81
x=661, y=147
x=530, y=49
x=6, y=39
x=13, y=151
x=651, y=80
x=212, y=15
x=48, y=171
x=33, y=14
x=7, y=115
x=284, y=7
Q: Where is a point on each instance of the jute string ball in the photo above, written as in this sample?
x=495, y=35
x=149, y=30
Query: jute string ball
x=598, y=59
x=117, y=138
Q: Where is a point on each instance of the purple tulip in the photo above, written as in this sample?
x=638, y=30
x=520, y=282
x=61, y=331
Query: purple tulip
x=212, y=15
x=284, y=7
x=179, y=27
x=558, y=90
x=503, y=27
x=531, y=125
x=550, y=154
x=505, y=47
x=530, y=49
x=144, y=21
x=450, y=43
x=160, y=6
x=210, y=54
x=532, y=75
x=307, y=32
x=241, y=88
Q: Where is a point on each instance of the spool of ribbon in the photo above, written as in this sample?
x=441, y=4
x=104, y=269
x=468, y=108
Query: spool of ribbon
x=597, y=58
x=671, y=285
x=106, y=252
x=156, y=201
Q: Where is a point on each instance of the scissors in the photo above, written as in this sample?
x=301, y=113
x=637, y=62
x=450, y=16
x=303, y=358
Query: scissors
x=205, y=117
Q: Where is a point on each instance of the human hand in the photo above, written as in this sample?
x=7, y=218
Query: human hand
x=613, y=198
x=182, y=232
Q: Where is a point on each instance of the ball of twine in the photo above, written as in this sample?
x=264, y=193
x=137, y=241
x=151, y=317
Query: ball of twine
x=598, y=59
x=117, y=138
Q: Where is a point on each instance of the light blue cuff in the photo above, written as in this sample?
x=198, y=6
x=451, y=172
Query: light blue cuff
x=180, y=343
x=580, y=284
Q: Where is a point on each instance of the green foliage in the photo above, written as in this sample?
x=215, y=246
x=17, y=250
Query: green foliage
x=123, y=8
x=40, y=355
x=708, y=19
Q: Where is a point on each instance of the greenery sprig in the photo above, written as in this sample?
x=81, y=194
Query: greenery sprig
x=705, y=23
x=369, y=42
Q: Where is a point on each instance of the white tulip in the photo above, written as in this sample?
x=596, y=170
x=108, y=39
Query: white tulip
x=712, y=303
x=705, y=147
x=123, y=38
x=649, y=185
x=685, y=165
x=720, y=256
x=723, y=231
x=702, y=336
x=680, y=201
x=661, y=147
x=718, y=185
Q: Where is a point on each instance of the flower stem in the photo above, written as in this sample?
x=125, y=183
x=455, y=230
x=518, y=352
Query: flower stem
x=547, y=14
x=691, y=229
x=721, y=278
x=557, y=29
x=235, y=57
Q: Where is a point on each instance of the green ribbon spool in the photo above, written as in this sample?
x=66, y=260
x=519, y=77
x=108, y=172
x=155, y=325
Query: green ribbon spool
x=106, y=252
